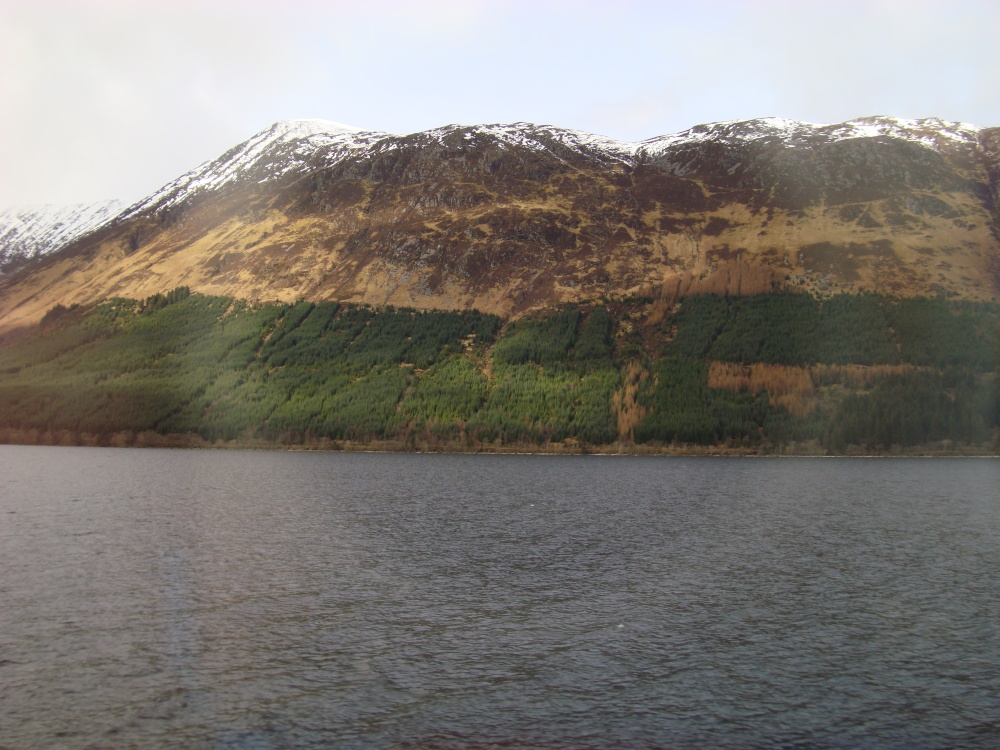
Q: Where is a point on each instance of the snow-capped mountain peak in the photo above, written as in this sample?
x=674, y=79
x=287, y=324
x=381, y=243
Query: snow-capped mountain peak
x=286, y=146
x=303, y=128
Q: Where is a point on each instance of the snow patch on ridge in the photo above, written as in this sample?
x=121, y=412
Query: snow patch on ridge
x=932, y=132
x=537, y=138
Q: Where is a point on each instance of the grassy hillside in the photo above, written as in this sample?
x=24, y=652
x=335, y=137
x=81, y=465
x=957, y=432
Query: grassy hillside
x=771, y=373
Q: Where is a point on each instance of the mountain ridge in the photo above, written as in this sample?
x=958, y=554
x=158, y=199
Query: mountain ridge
x=508, y=218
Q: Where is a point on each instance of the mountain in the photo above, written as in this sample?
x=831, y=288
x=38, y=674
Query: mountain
x=508, y=218
x=28, y=233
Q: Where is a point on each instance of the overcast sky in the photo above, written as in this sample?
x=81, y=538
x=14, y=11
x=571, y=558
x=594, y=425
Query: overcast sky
x=113, y=99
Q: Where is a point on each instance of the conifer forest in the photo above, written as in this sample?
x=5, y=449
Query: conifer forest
x=770, y=374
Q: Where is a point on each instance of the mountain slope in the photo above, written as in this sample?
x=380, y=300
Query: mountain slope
x=507, y=218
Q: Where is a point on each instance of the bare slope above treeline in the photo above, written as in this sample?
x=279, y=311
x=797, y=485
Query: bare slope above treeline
x=506, y=218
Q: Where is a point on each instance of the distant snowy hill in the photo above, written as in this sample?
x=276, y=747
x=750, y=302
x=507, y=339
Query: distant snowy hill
x=29, y=232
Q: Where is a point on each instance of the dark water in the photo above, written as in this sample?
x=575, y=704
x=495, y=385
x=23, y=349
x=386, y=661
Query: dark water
x=257, y=600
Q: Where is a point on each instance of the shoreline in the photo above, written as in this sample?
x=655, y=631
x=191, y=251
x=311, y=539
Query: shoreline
x=128, y=439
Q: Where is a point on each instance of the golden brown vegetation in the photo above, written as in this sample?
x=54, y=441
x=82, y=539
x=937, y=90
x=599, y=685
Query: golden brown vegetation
x=627, y=408
x=734, y=277
x=788, y=387
x=729, y=277
x=856, y=376
x=794, y=388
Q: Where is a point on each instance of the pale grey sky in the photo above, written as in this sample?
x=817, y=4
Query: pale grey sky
x=112, y=99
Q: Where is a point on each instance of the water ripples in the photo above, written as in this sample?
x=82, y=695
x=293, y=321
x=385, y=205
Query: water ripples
x=203, y=599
